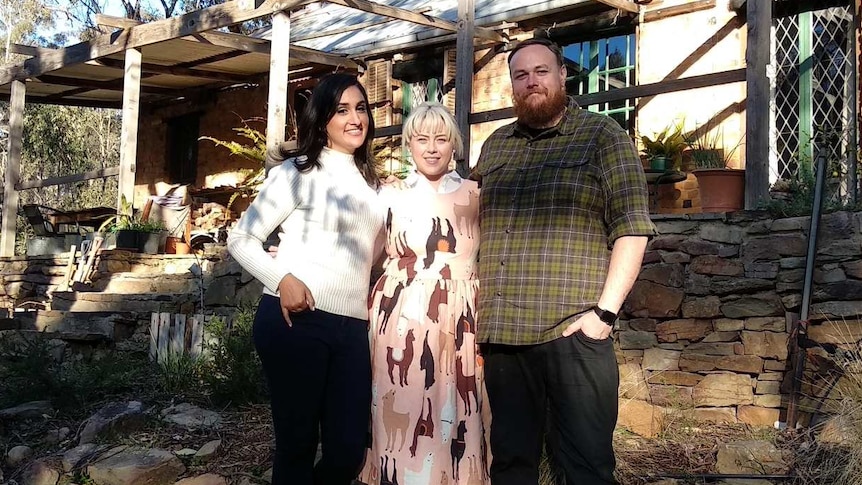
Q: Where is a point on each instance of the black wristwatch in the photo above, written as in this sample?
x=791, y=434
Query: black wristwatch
x=606, y=316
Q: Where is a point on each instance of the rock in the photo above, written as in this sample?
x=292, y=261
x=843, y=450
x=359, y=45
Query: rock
x=80, y=456
x=640, y=417
x=761, y=269
x=768, y=387
x=712, y=348
x=758, y=457
x=207, y=479
x=841, y=290
x=221, y=292
x=726, y=285
x=702, y=307
x=648, y=299
x=837, y=430
x=771, y=324
x=671, y=396
x=135, y=466
x=208, y=451
x=114, y=417
x=769, y=345
x=697, y=284
x=683, y=329
x=775, y=246
x=722, y=233
x=29, y=410
x=18, y=455
x=55, y=436
x=840, y=332
x=635, y=340
x=674, y=378
x=728, y=325
x=714, y=415
x=664, y=274
x=671, y=257
x=185, y=452
x=718, y=390
x=758, y=416
x=749, y=364
x=767, y=400
x=758, y=305
x=721, y=337
x=831, y=275
x=191, y=417
x=853, y=269
x=632, y=383
x=670, y=242
x=836, y=309
x=713, y=265
x=840, y=249
x=40, y=472
x=642, y=324
x=267, y=476
x=698, y=247
x=656, y=359
x=791, y=224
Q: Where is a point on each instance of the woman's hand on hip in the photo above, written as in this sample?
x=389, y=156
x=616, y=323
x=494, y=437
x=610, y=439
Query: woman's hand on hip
x=294, y=297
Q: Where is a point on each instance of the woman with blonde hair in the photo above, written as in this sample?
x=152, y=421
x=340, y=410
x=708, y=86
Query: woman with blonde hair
x=427, y=426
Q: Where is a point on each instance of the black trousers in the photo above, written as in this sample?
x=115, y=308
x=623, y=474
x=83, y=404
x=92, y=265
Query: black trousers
x=572, y=384
x=319, y=375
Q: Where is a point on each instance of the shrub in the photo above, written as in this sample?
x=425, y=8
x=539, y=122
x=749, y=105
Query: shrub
x=233, y=373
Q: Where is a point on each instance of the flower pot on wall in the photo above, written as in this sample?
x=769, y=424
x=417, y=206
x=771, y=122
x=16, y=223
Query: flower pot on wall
x=721, y=189
x=152, y=242
x=127, y=239
x=658, y=162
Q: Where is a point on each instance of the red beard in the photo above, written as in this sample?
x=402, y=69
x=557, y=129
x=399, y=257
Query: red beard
x=540, y=112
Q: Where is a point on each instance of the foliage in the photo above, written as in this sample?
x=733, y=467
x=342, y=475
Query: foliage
x=233, y=373
x=179, y=374
x=707, y=146
x=669, y=143
x=30, y=370
x=254, y=151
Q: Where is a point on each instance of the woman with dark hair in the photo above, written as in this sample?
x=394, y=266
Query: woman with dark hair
x=310, y=327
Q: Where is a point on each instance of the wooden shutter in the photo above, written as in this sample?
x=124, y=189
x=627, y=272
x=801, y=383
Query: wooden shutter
x=378, y=83
x=449, y=79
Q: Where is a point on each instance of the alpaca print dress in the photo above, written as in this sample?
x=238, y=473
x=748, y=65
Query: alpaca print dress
x=427, y=386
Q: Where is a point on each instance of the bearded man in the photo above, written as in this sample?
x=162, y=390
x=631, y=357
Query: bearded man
x=565, y=223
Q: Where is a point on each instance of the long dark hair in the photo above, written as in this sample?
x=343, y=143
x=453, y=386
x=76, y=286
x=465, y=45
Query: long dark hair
x=311, y=128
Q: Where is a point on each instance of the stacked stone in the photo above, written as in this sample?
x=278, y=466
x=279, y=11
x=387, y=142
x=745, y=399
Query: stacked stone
x=708, y=320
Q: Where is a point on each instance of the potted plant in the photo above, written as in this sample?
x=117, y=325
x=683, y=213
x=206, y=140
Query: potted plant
x=664, y=150
x=722, y=188
x=120, y=227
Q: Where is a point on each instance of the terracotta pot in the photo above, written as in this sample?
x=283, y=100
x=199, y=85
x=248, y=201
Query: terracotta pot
x=721, y=189
x=176, y=245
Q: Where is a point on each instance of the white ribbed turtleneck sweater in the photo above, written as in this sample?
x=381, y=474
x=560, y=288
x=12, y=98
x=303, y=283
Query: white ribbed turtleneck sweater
x=328, y=219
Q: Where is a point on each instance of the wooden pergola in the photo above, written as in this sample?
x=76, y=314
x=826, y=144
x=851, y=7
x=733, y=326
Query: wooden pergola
x=131, y=64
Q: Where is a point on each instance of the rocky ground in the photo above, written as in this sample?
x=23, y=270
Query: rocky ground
x=137, y=443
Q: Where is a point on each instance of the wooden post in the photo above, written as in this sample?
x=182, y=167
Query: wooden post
x=164, y=336
x=757, y=56
x=13, y=169
x=154, y=336
x=197, y=344
x=129, y=132
x=276, y=117
x=464, y=52
x=178, y=336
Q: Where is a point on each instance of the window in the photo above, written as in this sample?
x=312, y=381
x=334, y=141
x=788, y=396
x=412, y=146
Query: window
x=421, y=80
x=602, y=65
x=182, y=147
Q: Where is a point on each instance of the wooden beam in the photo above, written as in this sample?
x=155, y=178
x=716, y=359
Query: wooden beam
x=13, y=170
x=115, y=85
x=624, y=5
x=686, y=8
x=129, y=128
x=757, y=58
x=179, y=71
x=29, y=50
x=633, y=92
x=464, y=54
x=277, y=103
x=85, y=103
x=222, y=15
x=68, y=179
x=246, y=44
x=416, y=18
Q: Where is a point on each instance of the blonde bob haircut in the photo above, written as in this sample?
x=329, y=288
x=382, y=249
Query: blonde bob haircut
x=432, y=119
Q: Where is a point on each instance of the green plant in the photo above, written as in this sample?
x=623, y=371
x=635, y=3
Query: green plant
x=233, y=373
x=668, y=143
x=179, y=373
x=254, y=151
x=707, y=148
x=122, y=220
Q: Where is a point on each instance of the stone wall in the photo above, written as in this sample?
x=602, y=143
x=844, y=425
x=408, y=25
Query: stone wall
x=706, y=326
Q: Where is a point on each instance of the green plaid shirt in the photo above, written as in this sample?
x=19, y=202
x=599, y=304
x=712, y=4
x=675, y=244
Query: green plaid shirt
x=551, y=207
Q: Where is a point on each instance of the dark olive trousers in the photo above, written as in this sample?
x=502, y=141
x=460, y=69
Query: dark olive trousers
x=566, y=390
x=319, y=376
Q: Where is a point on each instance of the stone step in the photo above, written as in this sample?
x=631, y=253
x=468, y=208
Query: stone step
x=136, y=283
x=74, y=326
x=128, y=303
